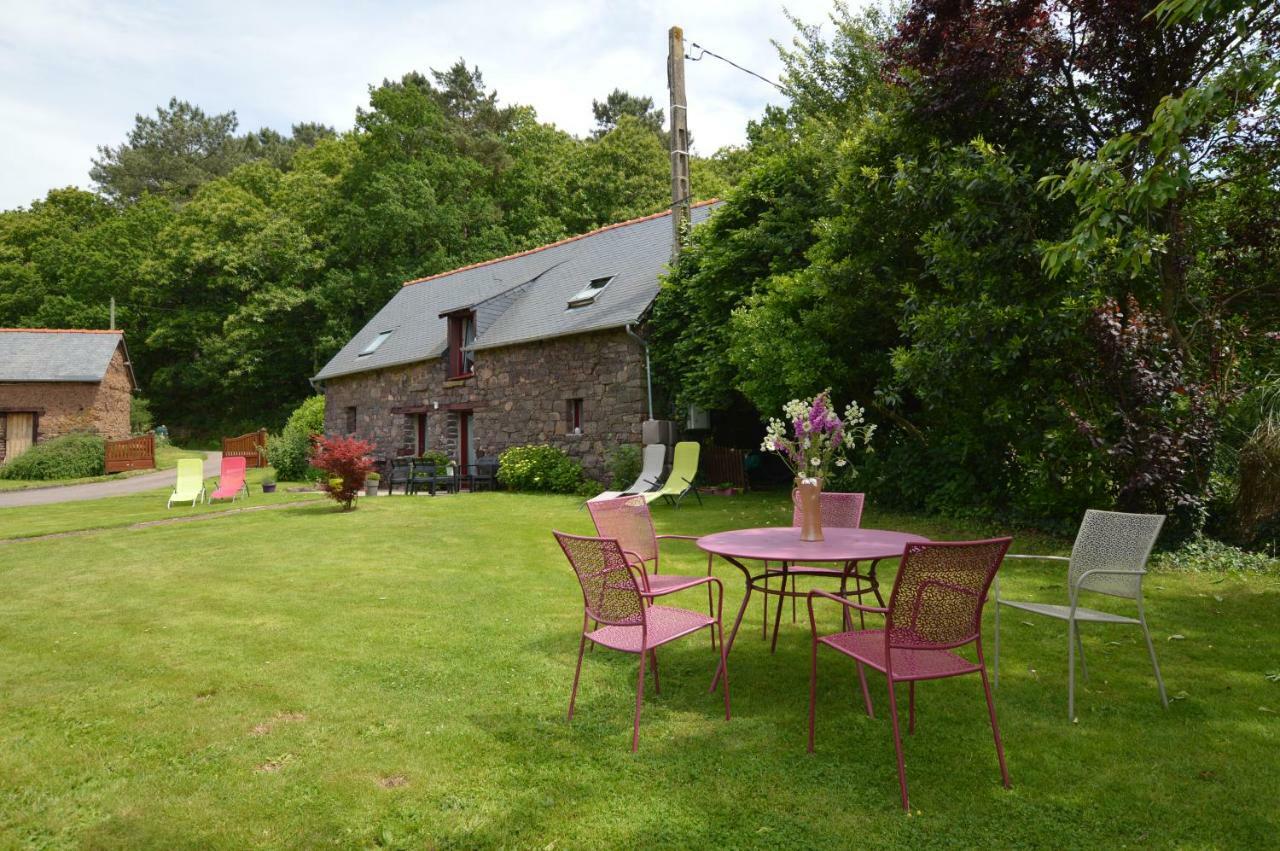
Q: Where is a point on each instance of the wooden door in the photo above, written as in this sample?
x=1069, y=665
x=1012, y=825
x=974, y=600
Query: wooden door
x=19, y=434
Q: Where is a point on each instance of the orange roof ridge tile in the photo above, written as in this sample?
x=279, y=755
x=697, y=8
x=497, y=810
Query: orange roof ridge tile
x=59, y=331
x=564, y=241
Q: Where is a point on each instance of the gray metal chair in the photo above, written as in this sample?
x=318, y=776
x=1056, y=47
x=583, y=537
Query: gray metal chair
x=1109, y=557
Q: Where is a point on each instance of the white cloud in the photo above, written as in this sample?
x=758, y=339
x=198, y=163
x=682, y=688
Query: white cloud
x=75, y=73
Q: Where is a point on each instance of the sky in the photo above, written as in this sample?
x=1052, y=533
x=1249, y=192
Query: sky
x=74, y=74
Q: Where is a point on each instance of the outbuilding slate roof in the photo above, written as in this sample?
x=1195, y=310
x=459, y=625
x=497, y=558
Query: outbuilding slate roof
x=36, y=354
x=522, y=297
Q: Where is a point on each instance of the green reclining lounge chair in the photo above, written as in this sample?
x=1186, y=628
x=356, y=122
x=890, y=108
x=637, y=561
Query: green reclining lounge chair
x=190, y=484
x=684, y=469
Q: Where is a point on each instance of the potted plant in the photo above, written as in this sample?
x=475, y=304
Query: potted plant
x=725, y=489
x=269, y=483
x=371, y=484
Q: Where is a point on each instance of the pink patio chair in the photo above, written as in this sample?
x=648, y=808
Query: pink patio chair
x=935, y=608
x=628, y=521
x=839, y=511
x=230, y=479
x=615, y=599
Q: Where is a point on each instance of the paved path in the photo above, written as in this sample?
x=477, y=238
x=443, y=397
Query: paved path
x=100, y=490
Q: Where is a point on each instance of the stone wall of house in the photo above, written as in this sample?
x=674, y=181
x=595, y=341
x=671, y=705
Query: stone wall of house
x=65, y=407
x=517, y=395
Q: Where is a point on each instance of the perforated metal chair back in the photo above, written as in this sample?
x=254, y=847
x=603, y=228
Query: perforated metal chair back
x=1113, y=540
x=939, y=592
x=628, y=521
x=609, y=591
x=839, y=510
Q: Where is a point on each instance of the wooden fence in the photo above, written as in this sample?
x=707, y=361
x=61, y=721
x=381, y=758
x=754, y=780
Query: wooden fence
x=721, y=464
x=133, y=453
x=252, y=447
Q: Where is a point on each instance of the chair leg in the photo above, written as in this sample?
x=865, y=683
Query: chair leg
x=866, y=695
x=1071, y=670
x=577, y=672
x=911, y=707
x=711, y=603
x=1084, y=667
x=997, y=633
x=724, y=666
x=813, y=687
x=635, y=731
x=897, y=746
x=1155, y=666
x=995, y=727
x=653, y=660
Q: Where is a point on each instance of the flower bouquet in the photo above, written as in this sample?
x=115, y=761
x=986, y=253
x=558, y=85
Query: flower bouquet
x=813, y=441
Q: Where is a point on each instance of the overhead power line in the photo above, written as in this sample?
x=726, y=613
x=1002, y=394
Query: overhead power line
x=705, y=52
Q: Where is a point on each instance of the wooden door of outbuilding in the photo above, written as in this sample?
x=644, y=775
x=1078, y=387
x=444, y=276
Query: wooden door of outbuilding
x=20, y=433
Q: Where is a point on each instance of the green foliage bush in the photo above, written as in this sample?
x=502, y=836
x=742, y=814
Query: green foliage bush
x=539, y=468
x=71, y=456
x=290, y=451
x=440, y=460
x=140, y=420
x=1206, y=555
x=624, y=465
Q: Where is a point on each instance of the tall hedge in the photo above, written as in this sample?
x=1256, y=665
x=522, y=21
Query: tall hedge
x=290, y=451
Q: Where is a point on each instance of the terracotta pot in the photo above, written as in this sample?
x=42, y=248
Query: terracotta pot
x=808, y=495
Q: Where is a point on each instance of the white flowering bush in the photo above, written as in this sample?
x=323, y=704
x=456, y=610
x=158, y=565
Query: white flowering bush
x=813, y=439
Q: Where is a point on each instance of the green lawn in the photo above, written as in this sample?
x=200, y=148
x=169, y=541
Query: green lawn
x=166, y=459
x=398, y=677
x=138, y=508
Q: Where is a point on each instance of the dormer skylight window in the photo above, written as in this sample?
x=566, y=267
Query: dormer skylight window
x=587, y=295
x=375, y=343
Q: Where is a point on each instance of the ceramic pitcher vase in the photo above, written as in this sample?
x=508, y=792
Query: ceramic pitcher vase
x=808, y=495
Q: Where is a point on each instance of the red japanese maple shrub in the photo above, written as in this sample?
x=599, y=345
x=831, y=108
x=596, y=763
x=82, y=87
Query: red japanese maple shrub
x=345, y=463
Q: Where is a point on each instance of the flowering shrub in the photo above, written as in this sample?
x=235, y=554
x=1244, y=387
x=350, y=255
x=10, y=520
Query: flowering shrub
x=819, y=439
x=539, y=468
x=345, y=463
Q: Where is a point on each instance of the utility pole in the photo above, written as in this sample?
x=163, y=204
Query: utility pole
x=113, y=313
x=680, y=191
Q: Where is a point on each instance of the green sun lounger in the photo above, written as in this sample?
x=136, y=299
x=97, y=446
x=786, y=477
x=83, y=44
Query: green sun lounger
x=679, y=484
x=190, y=485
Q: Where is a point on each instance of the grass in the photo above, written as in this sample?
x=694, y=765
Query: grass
x=398, y=677
x=123, y=511
x=166, y=459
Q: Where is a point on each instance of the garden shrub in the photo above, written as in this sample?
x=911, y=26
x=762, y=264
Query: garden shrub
x=290, y=450
x=1206, y=555
x=345, y=463
x=436, y=458
x=1257, y=498
x=539, y=468
x=71, y=456
x=624, y=465
x=139, y=415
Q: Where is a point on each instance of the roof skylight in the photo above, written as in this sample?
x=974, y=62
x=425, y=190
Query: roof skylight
x=375, y=343
x=587, y=295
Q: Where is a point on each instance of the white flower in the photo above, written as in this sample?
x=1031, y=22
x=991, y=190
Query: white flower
x=840, y=462
x=817, y=462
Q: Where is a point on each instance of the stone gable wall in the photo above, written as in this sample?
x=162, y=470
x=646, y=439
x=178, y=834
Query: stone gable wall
x=518, y=395
x=65, y=407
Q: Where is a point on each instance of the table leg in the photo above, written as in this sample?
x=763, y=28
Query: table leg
x=777, y=619
x=742, y=609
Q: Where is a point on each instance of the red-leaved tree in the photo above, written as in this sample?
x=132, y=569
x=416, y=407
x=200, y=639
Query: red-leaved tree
x=345, y=462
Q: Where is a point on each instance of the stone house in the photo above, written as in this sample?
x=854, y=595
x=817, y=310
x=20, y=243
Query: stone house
x=543, y=346
x=54, y=382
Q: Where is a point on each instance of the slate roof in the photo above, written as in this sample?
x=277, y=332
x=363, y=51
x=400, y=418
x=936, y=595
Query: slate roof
x=522, y=297
x=36, y=354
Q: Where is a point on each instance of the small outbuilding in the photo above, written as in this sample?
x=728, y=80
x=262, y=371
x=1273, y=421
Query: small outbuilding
x=54, y=382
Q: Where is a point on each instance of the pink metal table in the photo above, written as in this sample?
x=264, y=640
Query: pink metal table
x=782, y=544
